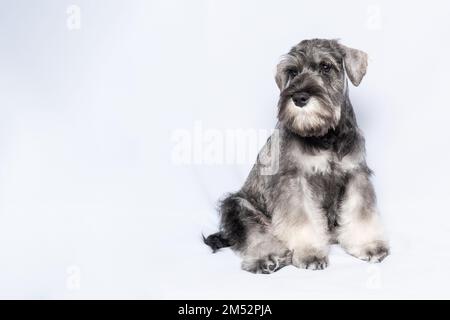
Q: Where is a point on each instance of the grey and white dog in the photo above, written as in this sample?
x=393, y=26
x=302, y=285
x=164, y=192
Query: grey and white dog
x=321, y=193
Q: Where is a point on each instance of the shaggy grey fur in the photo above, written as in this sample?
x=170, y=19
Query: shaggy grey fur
x=321, y=192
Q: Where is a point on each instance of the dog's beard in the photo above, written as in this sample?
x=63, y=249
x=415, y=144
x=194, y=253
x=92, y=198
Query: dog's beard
x=314, y=119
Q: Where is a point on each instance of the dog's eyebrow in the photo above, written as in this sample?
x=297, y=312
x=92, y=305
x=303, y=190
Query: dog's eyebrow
x=330, y=59
x=302, y=53
x=292, y=61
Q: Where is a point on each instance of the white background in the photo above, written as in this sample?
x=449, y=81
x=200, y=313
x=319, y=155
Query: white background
x=92, y=204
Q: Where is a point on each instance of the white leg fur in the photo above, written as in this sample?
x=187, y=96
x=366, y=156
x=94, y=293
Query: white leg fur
x=360, y=230
x=303, y=229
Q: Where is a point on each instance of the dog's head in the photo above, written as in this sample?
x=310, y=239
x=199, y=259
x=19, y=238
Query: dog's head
x=313, y=84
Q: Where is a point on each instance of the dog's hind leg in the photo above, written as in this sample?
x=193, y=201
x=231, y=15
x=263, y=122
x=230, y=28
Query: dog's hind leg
x=247, y=230
x=264, y=253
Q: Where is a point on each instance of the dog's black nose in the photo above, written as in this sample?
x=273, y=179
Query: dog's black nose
x=300, y=99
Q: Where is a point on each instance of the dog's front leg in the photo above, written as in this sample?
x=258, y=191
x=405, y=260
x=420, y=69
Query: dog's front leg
x=310, y=246
x=303, y=228
x=360, y=231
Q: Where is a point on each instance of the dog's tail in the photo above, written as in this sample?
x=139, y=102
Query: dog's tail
x=216, y=241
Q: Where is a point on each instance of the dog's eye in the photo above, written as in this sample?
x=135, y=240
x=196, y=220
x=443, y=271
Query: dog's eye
x=325, y=67
x=292, y=73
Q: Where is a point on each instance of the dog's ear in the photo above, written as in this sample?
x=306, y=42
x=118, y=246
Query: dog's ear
x=355, y=63
x=281, y=77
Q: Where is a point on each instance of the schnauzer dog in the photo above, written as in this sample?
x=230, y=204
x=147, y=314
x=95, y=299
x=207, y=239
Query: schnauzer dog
x=321, y=193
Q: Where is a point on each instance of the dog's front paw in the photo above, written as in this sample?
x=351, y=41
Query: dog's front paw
x=268, y=264
x=310, y=261
x=373, y=252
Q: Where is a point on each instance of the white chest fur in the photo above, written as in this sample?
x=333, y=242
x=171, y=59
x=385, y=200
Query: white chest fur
x=319, y=162
x=323, y=162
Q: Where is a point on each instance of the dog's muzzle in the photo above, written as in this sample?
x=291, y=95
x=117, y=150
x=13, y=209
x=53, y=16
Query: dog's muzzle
x=301, y=98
